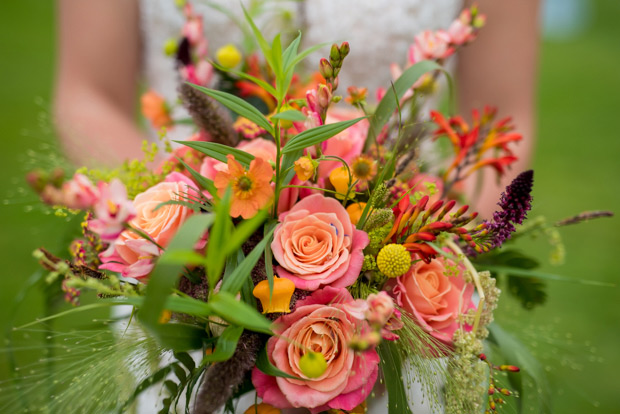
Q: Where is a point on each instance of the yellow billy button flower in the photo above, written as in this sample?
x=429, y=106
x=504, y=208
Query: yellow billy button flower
x=355, y=211
x=283, y=290
x=312, y=364
x=339, y=178
x=305, y=167
x=262, y=408
x=228, y=56
x=393, y=260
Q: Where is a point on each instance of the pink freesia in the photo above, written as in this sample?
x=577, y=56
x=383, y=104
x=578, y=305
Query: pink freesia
x=460, y=32
x=433, y=298
x=131, y=254
x=193, y=29
x=430, y=45
x=316, y=244
x=112, y=210
x=320, y=322
x=79, y=193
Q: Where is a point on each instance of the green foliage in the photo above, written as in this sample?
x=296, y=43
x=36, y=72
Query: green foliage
x=219, y=151
x=390, y=101
x=516, y=353
x=218, y=239
x=226, y=345
x=235, y=312
x=238, y=106
x=235, y=281
x=290, y=115
x=201, y=180
x=265, y=366
x=317, y=135
x=164, y=278
x=391, y=366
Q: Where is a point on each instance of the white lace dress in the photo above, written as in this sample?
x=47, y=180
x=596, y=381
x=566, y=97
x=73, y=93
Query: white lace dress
x=379, y=33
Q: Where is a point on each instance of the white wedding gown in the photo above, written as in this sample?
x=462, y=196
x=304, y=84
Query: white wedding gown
x=379, y=33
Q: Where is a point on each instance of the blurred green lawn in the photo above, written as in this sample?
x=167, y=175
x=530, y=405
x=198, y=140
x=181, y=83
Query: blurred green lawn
x=577, y=164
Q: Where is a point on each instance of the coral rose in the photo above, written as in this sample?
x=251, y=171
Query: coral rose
x=434, y=297
x=133, y=255
x=316, y=244
x=320, y=323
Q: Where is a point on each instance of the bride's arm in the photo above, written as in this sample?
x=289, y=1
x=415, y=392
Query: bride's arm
x=96, y=82
x=500, y=69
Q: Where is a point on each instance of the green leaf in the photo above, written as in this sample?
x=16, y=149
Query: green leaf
x=218, y=240
x=165, y=276
x=173, y=303
x=237, y=105
x=183, y=257
x=226, y=345
x=516, y=353
x=237, y=278
x=186, y=360
x=276, y=56
x=145, y=384
x=219, y=151
x=291, y=66
x=291, y=52
x=266, y=367
x=317, y=135
x=235, y=312
x=290, y=115
x=180, y=337
x=287, y=162
x=269, y=228
x=262, y=43
x=529, y=290
x=517, y=272
x=244, y=230
x=389, y=103
x=201, y=180
x=266, y=86
x=391, y=366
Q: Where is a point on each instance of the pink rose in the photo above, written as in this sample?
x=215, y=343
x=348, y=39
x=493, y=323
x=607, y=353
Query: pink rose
x=320, y=323
x=380, y=308
x=433, y=298
x=133, y=255
x=316, y=244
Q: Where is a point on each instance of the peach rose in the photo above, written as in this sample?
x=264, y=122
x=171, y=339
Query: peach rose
x=320, y=323
x=133, y=255
x=316, y=244
x=432, y=297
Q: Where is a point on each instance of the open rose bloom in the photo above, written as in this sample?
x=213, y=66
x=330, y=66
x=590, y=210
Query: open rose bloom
x=322, y=324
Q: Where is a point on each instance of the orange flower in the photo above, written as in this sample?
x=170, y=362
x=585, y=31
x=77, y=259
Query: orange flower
x=251, y=190
x=154, y=109
x=304, y=168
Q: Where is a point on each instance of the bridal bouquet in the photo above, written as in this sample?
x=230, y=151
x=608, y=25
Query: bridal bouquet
x=299, y=247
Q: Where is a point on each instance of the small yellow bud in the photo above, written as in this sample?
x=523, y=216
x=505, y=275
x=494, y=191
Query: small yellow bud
x=304, y=168
x=339, y=177
x=170, y=47
x=393, y=260
x=312, y=364
x=228, y=56
x=355, y=211
x=165, y=316
x=262, y=408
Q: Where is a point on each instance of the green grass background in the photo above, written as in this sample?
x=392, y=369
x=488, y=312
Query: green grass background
x=577, y=164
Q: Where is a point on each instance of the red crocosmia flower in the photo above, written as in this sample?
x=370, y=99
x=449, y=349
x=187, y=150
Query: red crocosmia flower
x=471, y=144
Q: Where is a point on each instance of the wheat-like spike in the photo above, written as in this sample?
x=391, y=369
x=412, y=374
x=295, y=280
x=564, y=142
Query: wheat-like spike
x=209, y=115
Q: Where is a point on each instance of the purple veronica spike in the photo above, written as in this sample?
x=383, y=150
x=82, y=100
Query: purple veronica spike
x=515, y=202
